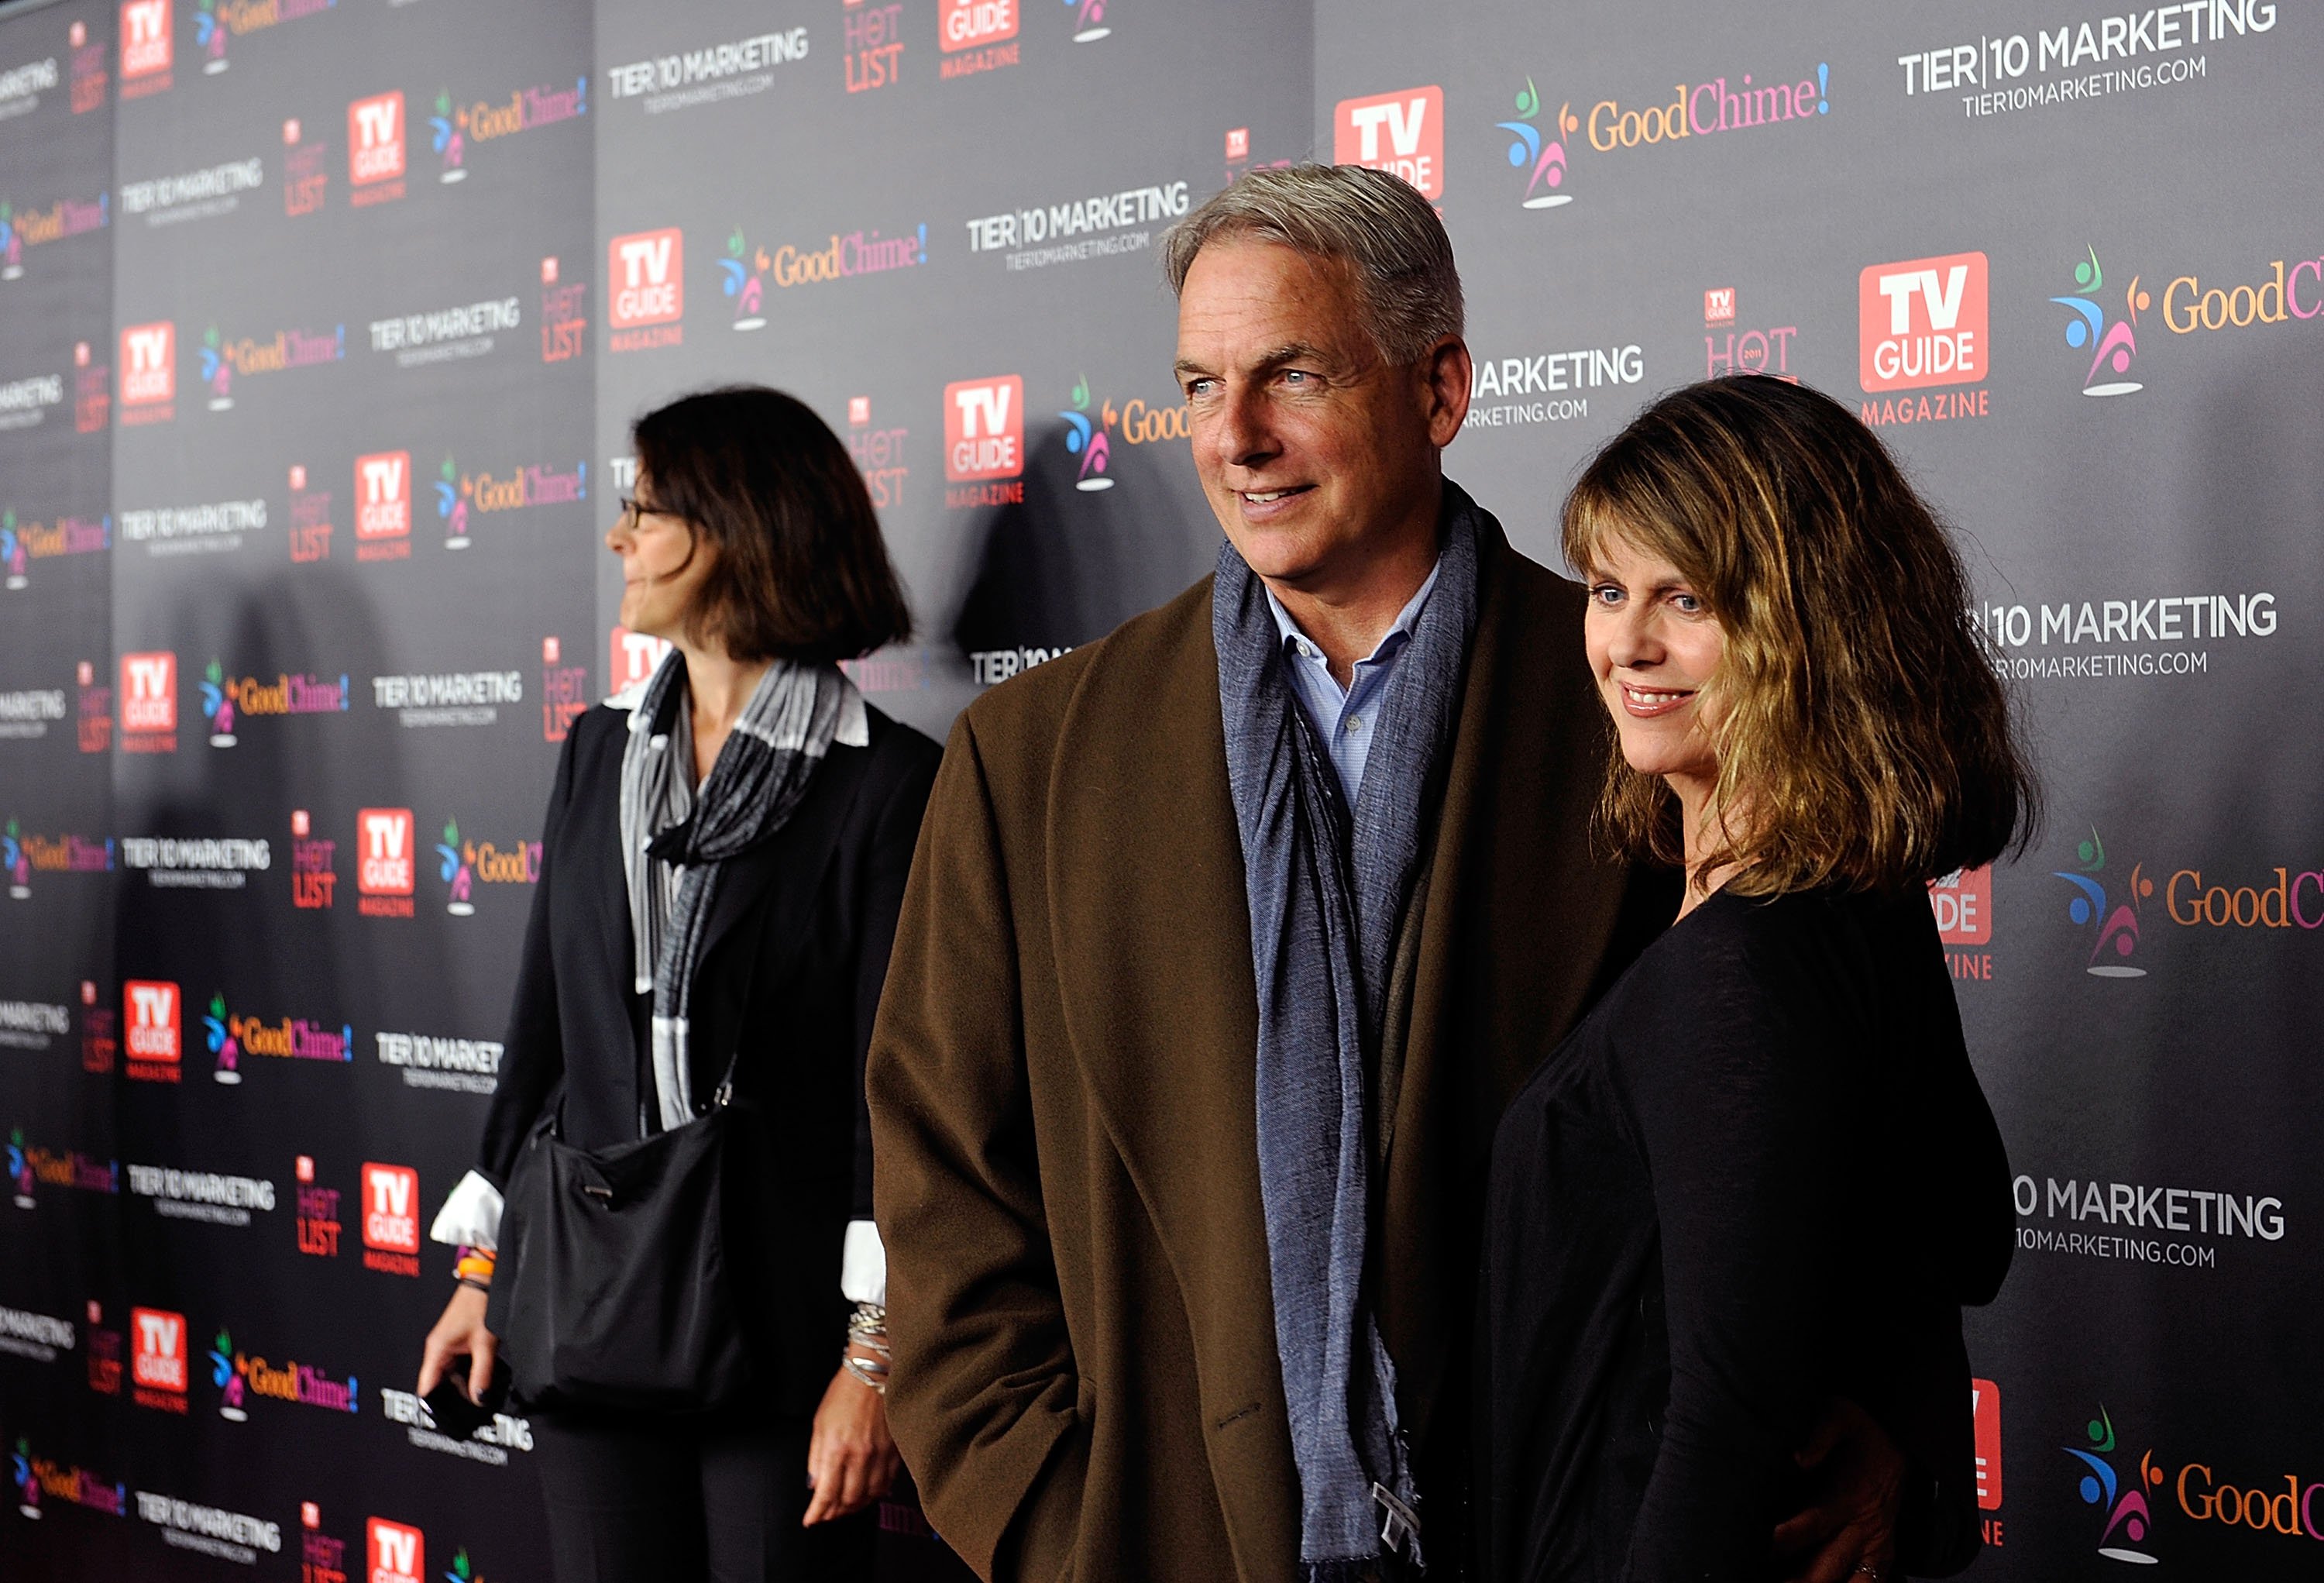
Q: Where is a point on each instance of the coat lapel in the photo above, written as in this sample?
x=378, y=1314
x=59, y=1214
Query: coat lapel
x=1516, y=921
x=1154, y=967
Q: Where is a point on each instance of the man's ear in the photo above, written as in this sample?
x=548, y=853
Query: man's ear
x=1446, y=371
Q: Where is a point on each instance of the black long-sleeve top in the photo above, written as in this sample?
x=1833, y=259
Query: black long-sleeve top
x=1759, y=1175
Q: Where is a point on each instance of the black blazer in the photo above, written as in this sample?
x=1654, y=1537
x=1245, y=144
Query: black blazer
x=791, y=975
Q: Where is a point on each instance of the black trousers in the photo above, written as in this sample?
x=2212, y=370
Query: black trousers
x=633, y=1499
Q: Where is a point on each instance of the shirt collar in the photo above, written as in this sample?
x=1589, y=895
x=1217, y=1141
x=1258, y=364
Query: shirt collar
x=1394, y=637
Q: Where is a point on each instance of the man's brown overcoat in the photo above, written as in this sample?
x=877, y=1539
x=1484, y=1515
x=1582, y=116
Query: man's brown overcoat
x=1062, y=1089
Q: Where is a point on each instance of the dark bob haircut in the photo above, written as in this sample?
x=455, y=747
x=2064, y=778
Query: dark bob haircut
x=1864, y=740
x=801, y=572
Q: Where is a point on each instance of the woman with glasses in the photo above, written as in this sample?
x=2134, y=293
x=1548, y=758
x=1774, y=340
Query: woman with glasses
x=725, y=850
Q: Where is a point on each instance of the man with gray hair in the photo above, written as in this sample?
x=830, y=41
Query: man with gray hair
x=1227, y=938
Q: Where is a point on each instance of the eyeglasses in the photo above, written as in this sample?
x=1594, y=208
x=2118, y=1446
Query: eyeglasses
x=634, y=510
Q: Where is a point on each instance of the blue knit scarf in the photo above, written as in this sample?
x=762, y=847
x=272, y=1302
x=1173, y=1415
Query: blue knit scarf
x=1327, y=887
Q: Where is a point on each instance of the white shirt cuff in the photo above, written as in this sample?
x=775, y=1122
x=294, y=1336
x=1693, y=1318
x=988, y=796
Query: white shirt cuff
x=864, y=1266
x=471, y=1216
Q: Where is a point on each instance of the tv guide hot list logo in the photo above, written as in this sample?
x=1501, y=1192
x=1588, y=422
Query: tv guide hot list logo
x=1401, y=133
x=1729, y=349
x=1963, y=904
x=984, y=441
x=1922, y=324
x=152, y=1017
x=645, y=273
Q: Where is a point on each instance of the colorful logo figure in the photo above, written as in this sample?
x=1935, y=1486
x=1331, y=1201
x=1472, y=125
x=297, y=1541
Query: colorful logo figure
x=222, y=1042
x=16, y=861
x=1089, y=20
x=12, y=244
x=455, y=870
x=226, y=1372
x=2116, y=925
x=741, y=276
x=463, y=1570
x=210, y=35
x=12, y=550
x=217, y=705
x=1088, y=440
x=2112, y=347
x=218, y=371
x=452, y=494
x=450, y=139
x=2129, y=1518
x=28, y=1487
x=20, y=1167
x=1542, y=162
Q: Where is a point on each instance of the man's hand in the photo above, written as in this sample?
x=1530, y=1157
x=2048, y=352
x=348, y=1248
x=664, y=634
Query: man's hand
x=1850, y=1530
x=851, y=1459
x=460, y=1333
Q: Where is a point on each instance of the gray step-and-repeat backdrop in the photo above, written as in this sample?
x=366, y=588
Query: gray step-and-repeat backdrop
x=320, y=325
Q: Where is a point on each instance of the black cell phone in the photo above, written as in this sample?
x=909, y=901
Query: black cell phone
x=448, y=1403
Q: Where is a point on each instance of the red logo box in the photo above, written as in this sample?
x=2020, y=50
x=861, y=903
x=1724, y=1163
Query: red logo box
x=1963, y=901
x=1922, y=321
x=966, y=23
x=145, y=48
x=647, y=272
x=375, y=138
x=395, y=1553
x=1719, y=305
x=391, y=1202
x=1402, y=133
x=149, y=363
x=984, y=428
x=383, y=495
x=1984, y=1404
x=148, y=691
x=151, y=1009
x=383, y=841
x=157, y=1360
x=636, y=656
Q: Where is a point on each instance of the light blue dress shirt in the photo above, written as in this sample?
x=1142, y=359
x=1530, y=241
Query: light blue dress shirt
x=1345, y=718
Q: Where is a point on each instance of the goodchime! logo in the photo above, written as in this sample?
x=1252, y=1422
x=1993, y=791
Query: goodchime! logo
x=453, y=127
x=2128, y=1518
x=1088, y=440
x=2112, y=921
x=2112, y=346
x=742, y=275
x=1543, y=159
x=461, y=865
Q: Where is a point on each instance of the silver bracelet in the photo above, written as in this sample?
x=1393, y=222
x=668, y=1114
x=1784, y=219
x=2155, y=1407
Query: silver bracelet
x=866, y=1372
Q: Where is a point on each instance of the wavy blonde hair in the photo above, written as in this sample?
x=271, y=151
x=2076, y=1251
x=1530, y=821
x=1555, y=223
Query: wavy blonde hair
x=1863, y=738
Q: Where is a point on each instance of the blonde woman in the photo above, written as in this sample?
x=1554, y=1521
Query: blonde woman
x=1760, y=1178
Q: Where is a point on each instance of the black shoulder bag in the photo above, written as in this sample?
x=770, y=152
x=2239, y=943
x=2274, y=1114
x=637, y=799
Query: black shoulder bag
x=613, y=1289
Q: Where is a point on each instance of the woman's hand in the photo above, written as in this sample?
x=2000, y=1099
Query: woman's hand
x=461, y=1333
x=1851, y=1531
x=851, y=1459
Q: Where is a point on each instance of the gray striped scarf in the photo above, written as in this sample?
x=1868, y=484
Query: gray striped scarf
x=1326, y=887
x=676, y=840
